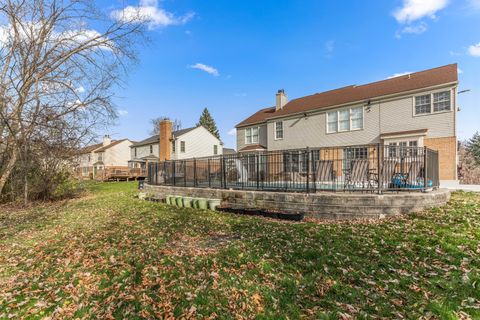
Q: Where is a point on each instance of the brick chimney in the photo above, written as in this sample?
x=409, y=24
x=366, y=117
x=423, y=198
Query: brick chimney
x=281, y=100
x=164, y=152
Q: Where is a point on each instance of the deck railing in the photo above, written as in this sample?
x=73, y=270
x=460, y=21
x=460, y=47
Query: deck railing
x=355, y=168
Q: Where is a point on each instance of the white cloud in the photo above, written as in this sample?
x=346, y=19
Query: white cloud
x=454, y=53
x=80, y=89
x=67, y=39
x=122, y=113
x=416, y=29
x=151, y=14
x=413, y=10
x=399, y=74
x=330, y=46
x=474, y=50
x=232, y=132
x=207, y=69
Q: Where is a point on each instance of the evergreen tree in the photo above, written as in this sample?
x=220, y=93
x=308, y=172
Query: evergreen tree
x=473, y=147
x=206, y=120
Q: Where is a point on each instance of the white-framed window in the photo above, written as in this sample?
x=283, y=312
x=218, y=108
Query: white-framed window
x=85, y=171
x=354, y=153
x=402, y=148
x=433, y=102
x=182, y=146
x=173, y=146
x=151, y=149
x=345, y=120
x=215, y=149
x=135, y=151
x=441, y=101
x=100, y=156
x=278, y=130
x=251, y=135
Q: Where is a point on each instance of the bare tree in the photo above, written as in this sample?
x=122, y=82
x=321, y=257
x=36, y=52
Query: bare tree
x=155, y=122
x=59, y=63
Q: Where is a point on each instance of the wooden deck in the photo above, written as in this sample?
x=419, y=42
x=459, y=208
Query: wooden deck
x=120, y=173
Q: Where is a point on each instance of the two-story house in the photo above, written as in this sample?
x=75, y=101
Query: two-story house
x=194, y=142
x=107, y=155
x=418, y=109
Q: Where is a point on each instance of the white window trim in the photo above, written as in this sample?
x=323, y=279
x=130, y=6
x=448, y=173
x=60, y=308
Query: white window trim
x=258, y=133
x=431, y=102
x=275, y=130
x=184, y=147
x=399, y=139
x=350, y=119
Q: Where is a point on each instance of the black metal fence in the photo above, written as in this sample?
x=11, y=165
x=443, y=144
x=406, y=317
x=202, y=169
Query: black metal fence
x=355, y=168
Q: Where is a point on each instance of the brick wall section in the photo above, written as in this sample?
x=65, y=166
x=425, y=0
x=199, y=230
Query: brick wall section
x=447, y=153
x=318, y=205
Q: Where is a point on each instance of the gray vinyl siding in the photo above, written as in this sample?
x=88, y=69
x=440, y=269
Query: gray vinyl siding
x=262, y=136
x=385, y=116
x=399, y=115
x=143, y=151
x=310, y=131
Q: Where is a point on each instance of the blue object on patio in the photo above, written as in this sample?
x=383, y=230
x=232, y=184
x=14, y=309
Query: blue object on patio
x=400, y=181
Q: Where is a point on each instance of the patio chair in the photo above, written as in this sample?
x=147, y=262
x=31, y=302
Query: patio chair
x=358, y=175
x=413, y=171
x=324, y=171
x=387, y=172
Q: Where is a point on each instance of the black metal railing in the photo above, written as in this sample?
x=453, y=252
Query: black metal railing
x=354, y=168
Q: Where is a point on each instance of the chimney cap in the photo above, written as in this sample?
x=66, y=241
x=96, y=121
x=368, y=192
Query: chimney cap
x=281, y=91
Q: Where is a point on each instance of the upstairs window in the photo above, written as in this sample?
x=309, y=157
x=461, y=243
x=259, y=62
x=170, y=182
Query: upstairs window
x=345, y=120
x=100, y=156
x=215, y=149
x=279, y=130
x=182, y=146
x=251, y=135
x=135, y=151
x=441, y=101
x=173, y=146
x=423, y=104
x=151, y=149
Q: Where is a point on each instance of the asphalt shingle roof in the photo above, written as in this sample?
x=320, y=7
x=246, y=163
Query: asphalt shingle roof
x=350, y=94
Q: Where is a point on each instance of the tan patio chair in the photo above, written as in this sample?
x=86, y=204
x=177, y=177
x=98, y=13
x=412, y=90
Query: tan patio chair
x=387, y=171
x=358, y=174
x=324, y=171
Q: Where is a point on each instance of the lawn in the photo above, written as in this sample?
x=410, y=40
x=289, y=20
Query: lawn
x=110, y=255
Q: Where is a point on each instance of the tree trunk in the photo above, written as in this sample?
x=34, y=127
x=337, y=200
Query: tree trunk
x=25, y=176
x=8, y=170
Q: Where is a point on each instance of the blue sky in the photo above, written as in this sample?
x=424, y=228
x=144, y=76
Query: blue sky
x=232, y=56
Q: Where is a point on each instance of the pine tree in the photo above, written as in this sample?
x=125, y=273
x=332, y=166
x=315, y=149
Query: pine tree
x=473, y=147
x=206, y=120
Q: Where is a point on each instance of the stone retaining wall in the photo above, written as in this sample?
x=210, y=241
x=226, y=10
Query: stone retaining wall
x=319, y=205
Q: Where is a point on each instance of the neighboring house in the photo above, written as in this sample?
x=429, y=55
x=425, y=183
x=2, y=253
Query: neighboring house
x=418, y=109
x=229, y=151
x=195, y=142
x=101, y=157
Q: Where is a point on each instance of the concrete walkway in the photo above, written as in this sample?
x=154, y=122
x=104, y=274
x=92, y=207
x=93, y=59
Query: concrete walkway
x=457, y=186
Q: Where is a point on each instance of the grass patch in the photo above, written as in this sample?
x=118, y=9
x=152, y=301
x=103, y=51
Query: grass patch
x=109, y=255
